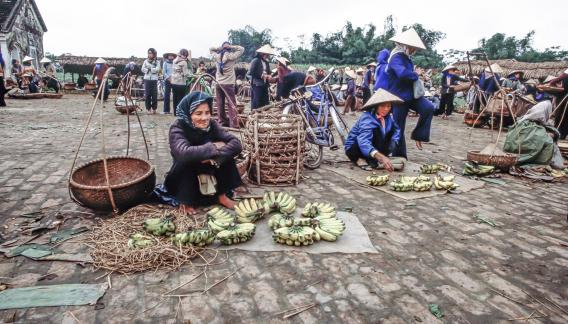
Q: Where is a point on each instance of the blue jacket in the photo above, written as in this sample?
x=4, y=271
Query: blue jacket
x=399, y=76
x=489, y=86
x=382, y=60
x=362, y=134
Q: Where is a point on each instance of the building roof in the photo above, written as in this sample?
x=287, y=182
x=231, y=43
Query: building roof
x=9, y=10
x=531, y=70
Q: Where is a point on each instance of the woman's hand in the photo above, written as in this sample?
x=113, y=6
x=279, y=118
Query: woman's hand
x=384, y=160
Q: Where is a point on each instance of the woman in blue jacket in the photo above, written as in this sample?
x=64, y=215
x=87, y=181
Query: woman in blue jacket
x=398, y=78
x=375, y=135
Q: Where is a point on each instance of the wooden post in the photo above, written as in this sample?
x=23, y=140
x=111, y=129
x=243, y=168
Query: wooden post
x=298, y=152
x=256, y=150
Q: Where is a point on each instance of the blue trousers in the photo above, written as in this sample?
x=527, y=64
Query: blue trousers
x=167, y=95
x=421, y=132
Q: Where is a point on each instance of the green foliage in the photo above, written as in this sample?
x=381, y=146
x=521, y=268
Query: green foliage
x=250, y=39
x=501, y=46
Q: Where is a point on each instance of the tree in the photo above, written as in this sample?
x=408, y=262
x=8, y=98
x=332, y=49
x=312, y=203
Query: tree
x=250, y=39
x=501, y=46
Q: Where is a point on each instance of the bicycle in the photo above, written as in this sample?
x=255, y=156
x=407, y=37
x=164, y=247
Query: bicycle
x=315, y=111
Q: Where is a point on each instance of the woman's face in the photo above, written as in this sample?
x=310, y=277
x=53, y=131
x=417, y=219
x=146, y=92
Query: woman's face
x=384, y=109
x=201, y=116
x=150, y=55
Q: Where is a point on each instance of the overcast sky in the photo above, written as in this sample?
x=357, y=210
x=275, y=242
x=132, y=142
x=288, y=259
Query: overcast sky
x=126, y=27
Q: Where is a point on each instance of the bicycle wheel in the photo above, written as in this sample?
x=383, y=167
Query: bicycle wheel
x=313, y=155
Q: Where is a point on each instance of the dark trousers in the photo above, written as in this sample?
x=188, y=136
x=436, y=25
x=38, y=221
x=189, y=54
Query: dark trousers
x=562, y=123
x=184, y=186
x=151, y=94
x=349, y=104
x=378, y=141
x=259, y=96
x=2, y=92
x=179, y=91
x=52, y=84
x=225, y=94
x=167, y=95
x=421, y=132
x=366, y=95
x=446, y=104
x=106, y=90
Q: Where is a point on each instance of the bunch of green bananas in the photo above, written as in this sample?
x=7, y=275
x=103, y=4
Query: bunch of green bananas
x=422, y=184
x=138, y=240
x=377, y=180
x=313, y=210
x=237, y=234
x=430, y=168
x=219, y=220
x=403, y=183
x=445, y=183
x=283, y=202
x=279, y=220
x=295, y=235
x=198, y=237
x=330, y=229
x=249, y=211
x=477, y=169
x=159, y=227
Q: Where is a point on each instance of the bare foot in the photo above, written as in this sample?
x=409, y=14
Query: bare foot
x=226, y=201
x=419, y=145
x=186, y=209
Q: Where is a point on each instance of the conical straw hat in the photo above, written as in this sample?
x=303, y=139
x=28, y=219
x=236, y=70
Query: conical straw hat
x=351, y=74
x=282, y=60
x=549, y=78
x=380, y=97
x=45, y=60
x=449, y=67
x=409, y=37
x=100, y=60
x=27, y=59
x=495, y=67
x=265, y=49
x=360, y=70
x=311, y=68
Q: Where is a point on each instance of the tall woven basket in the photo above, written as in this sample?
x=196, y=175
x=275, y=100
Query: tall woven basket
x=276, y=143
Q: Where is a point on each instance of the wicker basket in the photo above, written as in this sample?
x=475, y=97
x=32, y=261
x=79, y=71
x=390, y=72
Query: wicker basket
x=501, y=161
x=126, y=109
x=69, y=86
x=243, y=163
x=90, y=86
x=132, y=180
x=469, y=118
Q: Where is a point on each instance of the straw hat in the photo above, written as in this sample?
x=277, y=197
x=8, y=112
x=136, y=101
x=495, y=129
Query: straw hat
x=531, y=82
x=372, y=64
x=168, y=54
x=100, y=60
x=515, y=72
x=380, y=97
x=282, y=60
x=351, y=74
x=343, y=87
x=409, y=37
x=27, y=59
x=549, y=78
x=265, y=49
x=495, y=67
x=45, y=60
x=311, y=68
x=449, y=67
x=360, y=70
x=335, y=87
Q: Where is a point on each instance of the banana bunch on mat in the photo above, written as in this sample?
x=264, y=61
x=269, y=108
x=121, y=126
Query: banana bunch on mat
x=219, y=219
x=197, y=237
x=280, y=220
x=249, y=211
x=282, y=202
x=403, y=183
x=477, y=169
x=445, y=183
x=377, y=180
x=317, y=209
x=422, y=183
x=138, y=240
x=239, y=233
x=158, y=226
x=295, y=235
x=430, y=168
x=329, y=229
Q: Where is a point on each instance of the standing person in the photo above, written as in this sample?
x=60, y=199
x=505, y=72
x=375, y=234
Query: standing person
x=225, y=57
x=2, y=84
x=291, y=81
x=49, y=74
x=181, y=71
x=30, y=75
x=350, y=98
x=201, y=68
x=382, y=58
x=99, y=71
x=17, y=71
x=398, y=78
x=367, y=81
x=151, y=70
x=282, y=70
x=260, y=74
x=167, y=68
x=449, y=78
x=560, y=91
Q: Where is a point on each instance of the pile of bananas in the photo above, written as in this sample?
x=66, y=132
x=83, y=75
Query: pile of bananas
x=218, y=220
x=377, y=180
x=329, y=229
x=249, y=211
x=198, y=237
x=445, y=183
x=318, y=209
x=283, y=202
x=237, y=234
x=159, y=227
x=403, y=183
x=422, y=183
x=138, y=240
x=477, y=169
x=430, y=168
x=280, y=220
x=295, y=235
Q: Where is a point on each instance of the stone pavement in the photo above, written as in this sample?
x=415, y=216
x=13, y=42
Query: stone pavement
x=431, y=250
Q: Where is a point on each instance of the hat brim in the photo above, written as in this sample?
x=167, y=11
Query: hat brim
x=168, y=54
x=379, y=97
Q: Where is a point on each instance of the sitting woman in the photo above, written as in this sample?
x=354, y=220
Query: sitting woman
x=204, y=171
x=375, y=135
x=535, y=138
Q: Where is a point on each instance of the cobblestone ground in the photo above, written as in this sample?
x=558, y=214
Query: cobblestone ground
x=431, y=250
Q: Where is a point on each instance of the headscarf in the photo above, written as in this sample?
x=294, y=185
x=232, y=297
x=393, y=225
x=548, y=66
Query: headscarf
x=540, y=112
x=221, y=54
x=189, y=104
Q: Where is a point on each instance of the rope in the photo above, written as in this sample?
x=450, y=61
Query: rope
x=105, y=165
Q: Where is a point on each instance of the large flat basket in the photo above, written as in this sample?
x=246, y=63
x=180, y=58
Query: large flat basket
x=501, y=161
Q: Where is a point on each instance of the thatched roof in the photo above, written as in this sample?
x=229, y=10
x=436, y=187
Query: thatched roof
x=532, y=70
